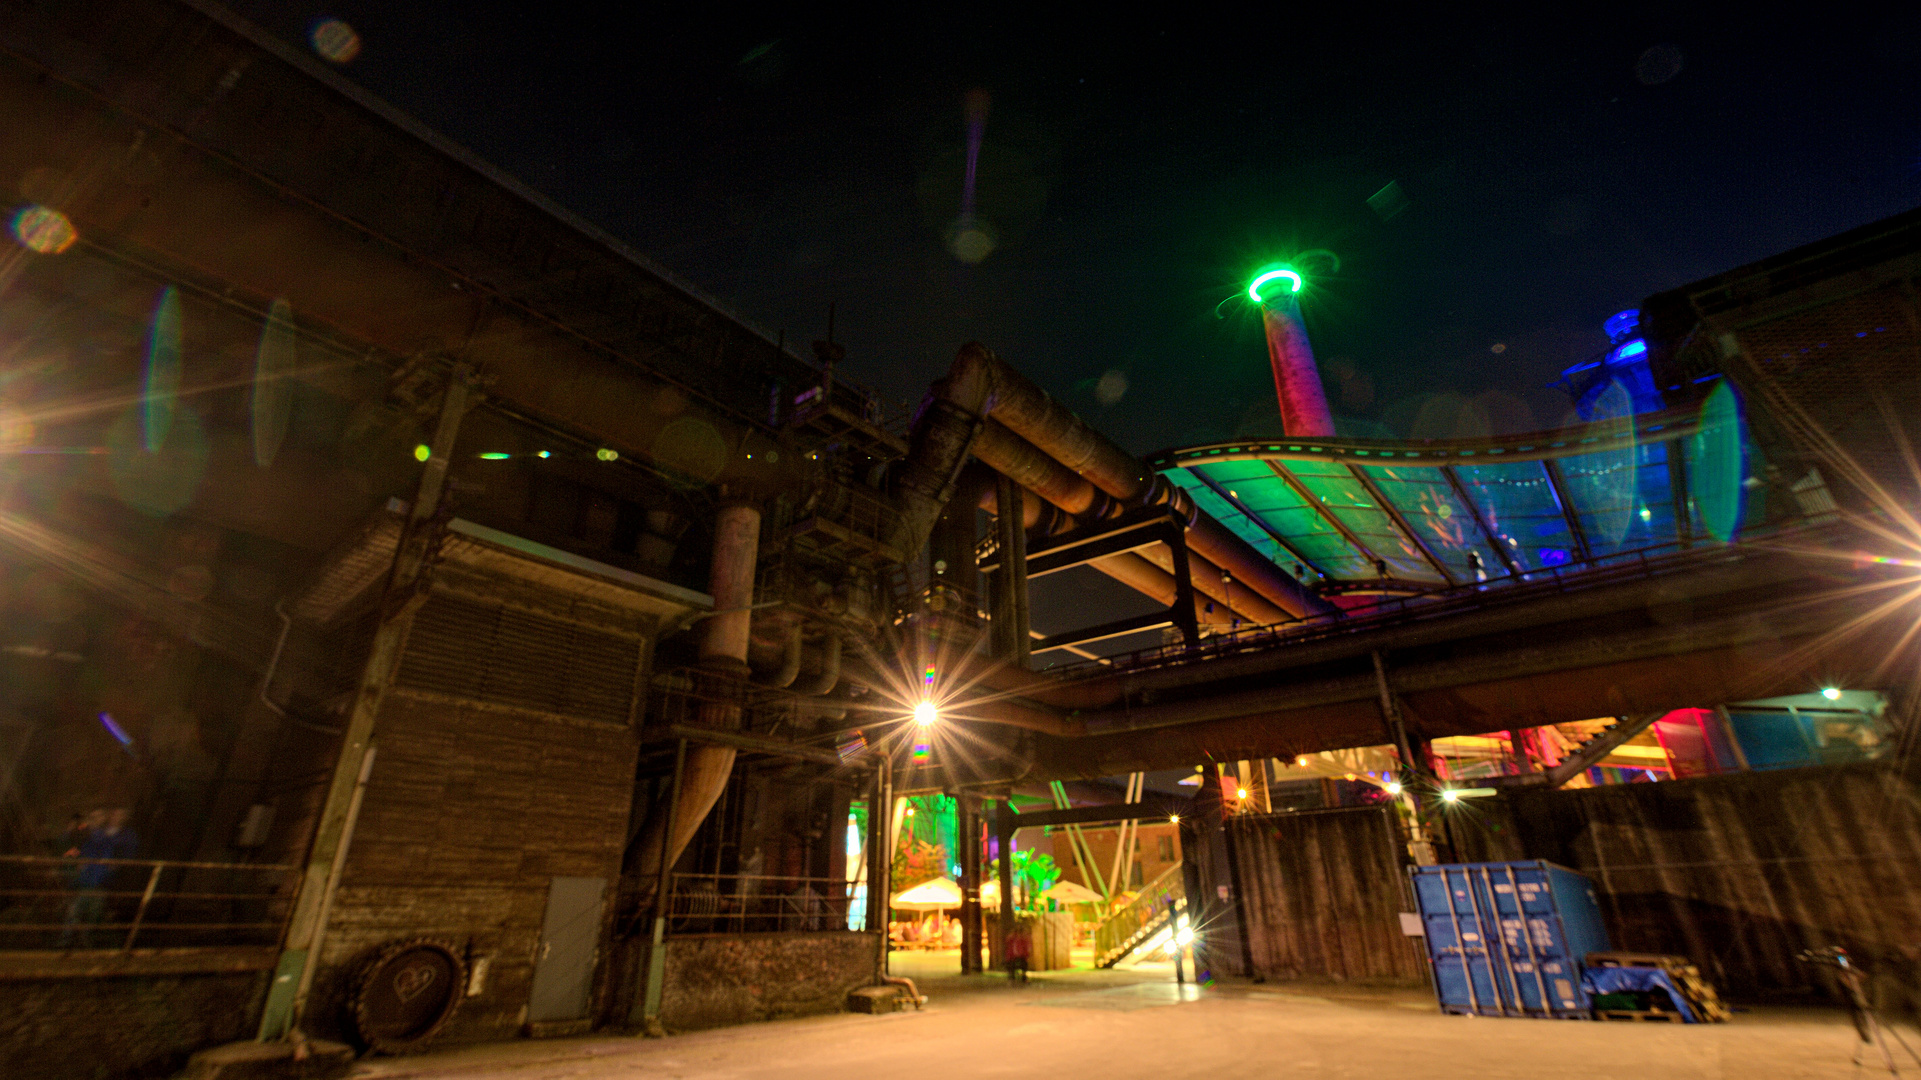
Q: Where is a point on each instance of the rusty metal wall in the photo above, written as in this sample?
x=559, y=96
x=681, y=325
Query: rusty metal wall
x=1321, y=893
x=1739, y=872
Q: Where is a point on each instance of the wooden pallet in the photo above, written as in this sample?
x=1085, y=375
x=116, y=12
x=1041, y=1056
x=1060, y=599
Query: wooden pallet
x=1642, y=1017
x=1700, y=994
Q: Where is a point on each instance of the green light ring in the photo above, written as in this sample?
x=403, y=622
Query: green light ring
x=1254, y=287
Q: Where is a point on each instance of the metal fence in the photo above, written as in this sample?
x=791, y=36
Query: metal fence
x=120, y=904
x=755, y=903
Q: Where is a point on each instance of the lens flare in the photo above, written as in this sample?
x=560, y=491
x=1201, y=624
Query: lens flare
x=926, y=713
x=163, y=371
x=273, y=365
x=336, y=41
x=1718, y=451
x=44, y=230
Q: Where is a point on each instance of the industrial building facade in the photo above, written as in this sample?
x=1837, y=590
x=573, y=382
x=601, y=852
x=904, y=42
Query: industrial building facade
x=404, y=578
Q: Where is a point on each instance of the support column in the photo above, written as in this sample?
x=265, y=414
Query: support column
x=880, y=856
x=1011, y=639
x=969, y=837
x=1004, y=842
x=407, y=587
x=1420, y=846
x=657, y=954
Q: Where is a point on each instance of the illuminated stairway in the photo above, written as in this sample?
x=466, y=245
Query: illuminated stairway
x=1151, y=911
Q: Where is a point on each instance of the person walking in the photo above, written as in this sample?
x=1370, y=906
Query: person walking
x=1019, y=947
x=108, y=837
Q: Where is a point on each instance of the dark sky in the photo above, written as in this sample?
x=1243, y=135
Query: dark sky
x=1134, y=171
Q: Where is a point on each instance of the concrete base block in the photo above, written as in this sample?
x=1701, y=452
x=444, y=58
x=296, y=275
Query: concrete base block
x=875, y=999
x=322, y=1060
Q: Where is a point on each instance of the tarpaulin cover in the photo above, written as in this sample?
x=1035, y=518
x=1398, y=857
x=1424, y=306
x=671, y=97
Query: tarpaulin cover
x=1616, y=980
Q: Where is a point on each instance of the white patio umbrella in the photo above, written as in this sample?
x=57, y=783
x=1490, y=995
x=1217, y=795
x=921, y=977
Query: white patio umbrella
x=936, y=895
x=1068, y=892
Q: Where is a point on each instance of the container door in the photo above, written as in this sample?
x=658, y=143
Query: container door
x=569, y=943
x=1457, y=941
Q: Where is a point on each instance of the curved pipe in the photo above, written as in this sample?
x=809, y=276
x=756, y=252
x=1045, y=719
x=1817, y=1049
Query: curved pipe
x=980, y=389
x=1151, y=572
x=828, y=676
x=789, y=669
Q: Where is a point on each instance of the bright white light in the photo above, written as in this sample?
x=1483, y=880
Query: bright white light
x=1175, y=818
x=925, y=714
x=1393, y=787
x=1831, y=693
x=1450, y=795
x=1240, y=793
x=1185, y=936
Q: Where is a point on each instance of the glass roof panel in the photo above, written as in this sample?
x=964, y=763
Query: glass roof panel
x=1445, y=524
x=1516, y=501
x=1283, y=509
x=1602, y=489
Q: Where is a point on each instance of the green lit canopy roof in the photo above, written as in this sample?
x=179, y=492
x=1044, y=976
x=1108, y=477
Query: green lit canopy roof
x=1428, y=511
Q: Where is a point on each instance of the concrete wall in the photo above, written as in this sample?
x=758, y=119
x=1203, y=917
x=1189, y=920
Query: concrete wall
x=135, y=1026
x=1321, y=892
x=1739, y=872
x=721, y=979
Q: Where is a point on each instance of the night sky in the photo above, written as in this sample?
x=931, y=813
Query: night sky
x=1132, y=172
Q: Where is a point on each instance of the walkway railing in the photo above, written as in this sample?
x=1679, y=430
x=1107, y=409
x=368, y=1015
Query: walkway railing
x=756, y=903
x=1648, y=562
x=120, y=904
x=1152, y=908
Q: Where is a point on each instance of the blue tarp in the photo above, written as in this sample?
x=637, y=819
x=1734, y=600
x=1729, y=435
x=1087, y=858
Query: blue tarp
x=1618, y=980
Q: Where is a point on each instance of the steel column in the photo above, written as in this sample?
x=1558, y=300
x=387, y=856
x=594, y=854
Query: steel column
x=406, y=591
x=663, y=888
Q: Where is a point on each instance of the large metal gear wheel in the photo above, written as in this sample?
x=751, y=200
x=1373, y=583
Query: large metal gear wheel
x=405, y=994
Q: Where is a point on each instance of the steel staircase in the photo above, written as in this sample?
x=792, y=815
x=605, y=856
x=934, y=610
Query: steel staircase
x=1151, y=911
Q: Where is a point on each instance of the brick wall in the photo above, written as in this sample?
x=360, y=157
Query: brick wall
x=714, y=980
x=101, y=1029
x=469, y=813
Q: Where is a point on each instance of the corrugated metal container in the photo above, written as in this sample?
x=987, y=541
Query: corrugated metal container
x=1509, y=939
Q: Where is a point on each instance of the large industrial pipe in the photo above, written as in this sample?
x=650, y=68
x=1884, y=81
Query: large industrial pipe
x=723, y=653
x=979, y=389
x=1153, y=578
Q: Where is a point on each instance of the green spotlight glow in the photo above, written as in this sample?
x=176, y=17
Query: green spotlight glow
x=494, y=455
x=1275, y=274
x=423, y=452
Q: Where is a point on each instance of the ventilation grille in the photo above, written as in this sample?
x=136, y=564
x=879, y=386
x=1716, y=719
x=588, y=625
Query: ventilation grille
x=490, y=652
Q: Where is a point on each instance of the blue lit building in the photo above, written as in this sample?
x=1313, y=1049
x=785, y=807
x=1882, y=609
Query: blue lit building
x=1625, y=362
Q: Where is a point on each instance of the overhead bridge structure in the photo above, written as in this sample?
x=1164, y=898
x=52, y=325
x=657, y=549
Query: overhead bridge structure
x=1751, y=539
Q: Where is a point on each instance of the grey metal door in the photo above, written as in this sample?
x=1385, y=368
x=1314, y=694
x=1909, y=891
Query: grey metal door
x=569, y=939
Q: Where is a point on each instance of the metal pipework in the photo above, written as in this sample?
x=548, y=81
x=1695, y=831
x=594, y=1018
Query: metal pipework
x=1150, y=574
x=723, y=652
x=1297, y=381
x=789, y=669
x=954, y=425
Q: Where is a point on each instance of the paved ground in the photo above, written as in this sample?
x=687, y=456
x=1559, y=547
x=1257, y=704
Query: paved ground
x=1123, y=1024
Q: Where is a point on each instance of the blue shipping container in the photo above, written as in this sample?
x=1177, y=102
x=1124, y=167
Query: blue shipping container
x=1509, y=939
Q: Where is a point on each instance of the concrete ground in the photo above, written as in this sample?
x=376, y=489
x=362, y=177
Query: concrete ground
x=1138, y=1023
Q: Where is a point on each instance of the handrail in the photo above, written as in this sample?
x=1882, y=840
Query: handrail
x=747, y=904
x=32, y=887
x=1158, y=900
x=1513, y=587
